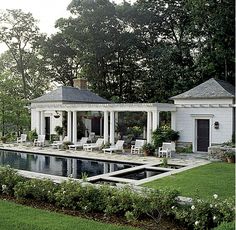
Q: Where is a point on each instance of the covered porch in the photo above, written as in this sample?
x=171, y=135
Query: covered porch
x=109, y=112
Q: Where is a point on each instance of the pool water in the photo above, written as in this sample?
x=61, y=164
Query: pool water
x=140, y=174
x=59, y=166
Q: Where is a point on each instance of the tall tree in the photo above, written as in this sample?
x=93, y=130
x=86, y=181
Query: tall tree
x=105, y=46
x=62, y=62
x=214, y=31
x=18, y=30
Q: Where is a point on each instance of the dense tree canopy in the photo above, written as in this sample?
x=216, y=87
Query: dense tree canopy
x=147, y=51
x=19, y=31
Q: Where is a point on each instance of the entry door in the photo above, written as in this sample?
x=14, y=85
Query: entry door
x=203, y=132
x=47, y=128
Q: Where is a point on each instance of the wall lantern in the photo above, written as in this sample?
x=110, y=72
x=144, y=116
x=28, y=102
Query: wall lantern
x=216, y=125
x=57, y=115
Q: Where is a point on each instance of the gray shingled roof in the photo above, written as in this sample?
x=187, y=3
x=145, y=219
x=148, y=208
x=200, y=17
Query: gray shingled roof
x=70, y=95
x=209, y=89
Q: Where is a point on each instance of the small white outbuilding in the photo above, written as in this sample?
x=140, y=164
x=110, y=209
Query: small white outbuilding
x=205, y=115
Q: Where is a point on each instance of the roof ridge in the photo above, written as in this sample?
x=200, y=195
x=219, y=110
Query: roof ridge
x=212, y=88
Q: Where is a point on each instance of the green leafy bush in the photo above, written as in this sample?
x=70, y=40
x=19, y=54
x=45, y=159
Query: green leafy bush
x=164, y=134
x=77, y=197
x=186, y=149
x=40, y=190
x=66, y=144
x=59, y=130
x=32, y=135
x=11, y=136
x=3, y=139
x=226, y=226
x=205, y=214
x=9, y=178
x=148, y=149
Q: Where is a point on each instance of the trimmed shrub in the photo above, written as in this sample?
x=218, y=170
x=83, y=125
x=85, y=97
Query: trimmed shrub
x=9, y=178
x=164, y=134
x=205, y=214
x=226, y=226
x=40, y=190
x=32, y=135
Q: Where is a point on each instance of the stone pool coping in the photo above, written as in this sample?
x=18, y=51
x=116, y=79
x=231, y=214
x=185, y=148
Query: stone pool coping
x=145, y=163
x=124, y=158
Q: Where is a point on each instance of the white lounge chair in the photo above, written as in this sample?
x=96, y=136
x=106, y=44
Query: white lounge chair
x=39, y=141
x=22, y=138
x=78, y=144
x=117, y=147
x=57, y=144
x=165, y=150
x=97, y=145
x=137, y=147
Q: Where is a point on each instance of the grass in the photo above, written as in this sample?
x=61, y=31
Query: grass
x=204, y=181
x=18, y=217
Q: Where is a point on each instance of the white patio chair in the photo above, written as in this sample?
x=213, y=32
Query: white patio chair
x=78, y=144
x=22, y=138
x=57, y=144
x=117, y=147
x=165, y=150
x=97, y=145
x=137, y=147
x=39, y=141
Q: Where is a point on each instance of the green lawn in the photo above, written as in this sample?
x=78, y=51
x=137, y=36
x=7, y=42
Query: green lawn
x=215, y=178
x=17, y=217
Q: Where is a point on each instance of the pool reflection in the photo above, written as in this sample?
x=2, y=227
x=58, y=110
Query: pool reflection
x=60, y=166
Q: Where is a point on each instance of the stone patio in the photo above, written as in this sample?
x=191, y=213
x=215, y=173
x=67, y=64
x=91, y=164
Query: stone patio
x=189, y=161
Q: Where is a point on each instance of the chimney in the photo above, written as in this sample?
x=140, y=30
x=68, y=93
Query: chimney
x=80, y=83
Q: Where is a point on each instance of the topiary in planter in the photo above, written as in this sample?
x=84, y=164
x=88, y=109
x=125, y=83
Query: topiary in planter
x=148, y=149
x=230, y=156
x=3, y=139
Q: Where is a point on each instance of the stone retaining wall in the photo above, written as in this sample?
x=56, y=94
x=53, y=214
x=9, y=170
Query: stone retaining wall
x=217, y=152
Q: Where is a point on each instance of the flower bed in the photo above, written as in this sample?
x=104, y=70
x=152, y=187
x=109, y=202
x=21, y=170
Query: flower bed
x=123, y=202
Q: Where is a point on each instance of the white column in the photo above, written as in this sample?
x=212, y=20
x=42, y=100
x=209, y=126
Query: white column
x=112, y=127
x=100, y=126
x=42, y=123
x=155, y=117
x=38, y=122
x=105, y=130
x=74, y=128
x=173, y=120
x=116, y=122
x=69, y=126
x=149, y=127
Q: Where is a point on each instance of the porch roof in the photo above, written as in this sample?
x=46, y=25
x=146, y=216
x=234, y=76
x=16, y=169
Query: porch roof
x=67, y=94
x=213, y=88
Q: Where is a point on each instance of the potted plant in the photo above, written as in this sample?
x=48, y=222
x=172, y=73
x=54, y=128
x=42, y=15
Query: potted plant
x=3, y=139
x=148, y=149
x=230, y=156
x=66, y=144
x=59, y=131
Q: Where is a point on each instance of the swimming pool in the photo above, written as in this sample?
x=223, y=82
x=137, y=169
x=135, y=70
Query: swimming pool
x=58, y=165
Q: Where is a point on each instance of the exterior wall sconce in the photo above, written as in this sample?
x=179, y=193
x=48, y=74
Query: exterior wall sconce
x=57, y=115
x=216, y=125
